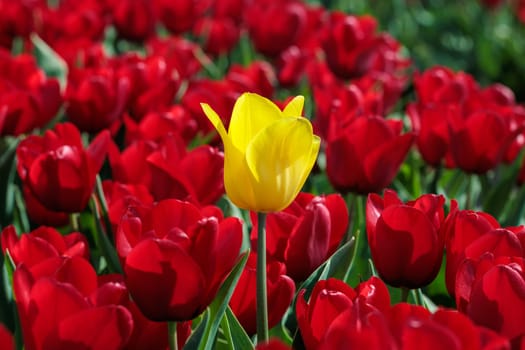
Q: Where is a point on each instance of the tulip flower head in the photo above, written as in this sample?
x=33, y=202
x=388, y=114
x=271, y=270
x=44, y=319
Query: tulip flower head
x=268, y=153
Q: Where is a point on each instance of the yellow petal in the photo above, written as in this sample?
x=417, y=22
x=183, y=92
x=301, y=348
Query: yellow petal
x=251, y=114
x=216, y=121
x=238, y=180
x=280, y=158
x=294, y=108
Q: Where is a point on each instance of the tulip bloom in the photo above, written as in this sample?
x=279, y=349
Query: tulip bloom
x=462, y=228
x=365, y=155
x=34, y=247
x=491, y=291
x=268, y=153
x=405, y=240
x=58, y=302
x=306, y=233
x=57, y=170
x=333, y=301
x=176, y=257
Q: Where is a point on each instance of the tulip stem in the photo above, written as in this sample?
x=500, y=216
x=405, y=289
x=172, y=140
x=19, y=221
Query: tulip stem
x=172, y=335
x=73, y=219
x=468, y=200
x=435, y=178
x=262, y=297
x=404, y=294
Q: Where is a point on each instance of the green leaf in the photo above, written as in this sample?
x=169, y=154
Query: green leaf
x=51, y=62
x=499, y=193
x=7, y=179
x=102, y=240
x=203, y=337
x=236, y=337
x=280, y=331
x=336, y=266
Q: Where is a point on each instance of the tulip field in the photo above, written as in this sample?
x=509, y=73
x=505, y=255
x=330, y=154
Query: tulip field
x=262, y=174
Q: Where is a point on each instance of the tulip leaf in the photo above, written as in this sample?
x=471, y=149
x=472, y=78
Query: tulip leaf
x=516, y=212
x=7, y=182
x=498, y=194
x=280, y=331
x=102, y=241
x=50, y=61
x=235, y=336
x=204, y=336
x=6, y=292
x=336, y=266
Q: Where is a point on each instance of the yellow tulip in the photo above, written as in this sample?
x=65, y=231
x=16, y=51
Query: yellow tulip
x=268, y=153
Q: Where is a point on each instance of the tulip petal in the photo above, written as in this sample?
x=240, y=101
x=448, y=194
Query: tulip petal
x=294, y=108
x=216, y=121
x=279, y=163
x=106, y=327
x=251, y=114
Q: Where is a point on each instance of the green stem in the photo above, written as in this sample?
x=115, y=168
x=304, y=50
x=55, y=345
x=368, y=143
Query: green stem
x=468, y=200
x=172, y=335
x=404, y=294
x=262, y=297
x=418, y=297
x=352, y=208
x=73, y=220
x=435, y=179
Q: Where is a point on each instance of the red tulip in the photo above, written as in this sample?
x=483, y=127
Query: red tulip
x=365, y=155
x=291, y=66
x=39, y=214
x=146, y=333
x=440, y=85
x=28, y=99
x=178, y=16
x=171, y=171
x=56, y=168
x=288, y=20
x=180, y=54
x=491, y=291
x=155, y=126
x=359, y=327
x=96, y=99
x=134, y=20
x=272, y=344
x=479, y=142
x=59, y=313
x=16, y=20
x=219, y=35
x=306, y=233
x=280, y=288
x=414, y=327
x=430, y=123
x=461, y=228
x=120, y=197
x=42, y=243
x=333, y=304
x=473, y=129
x=204, y=91
x=405, y=239
x=175, y=258
x=258, y=77
x=353, y=48
x=153, y=83
x=7, y=341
